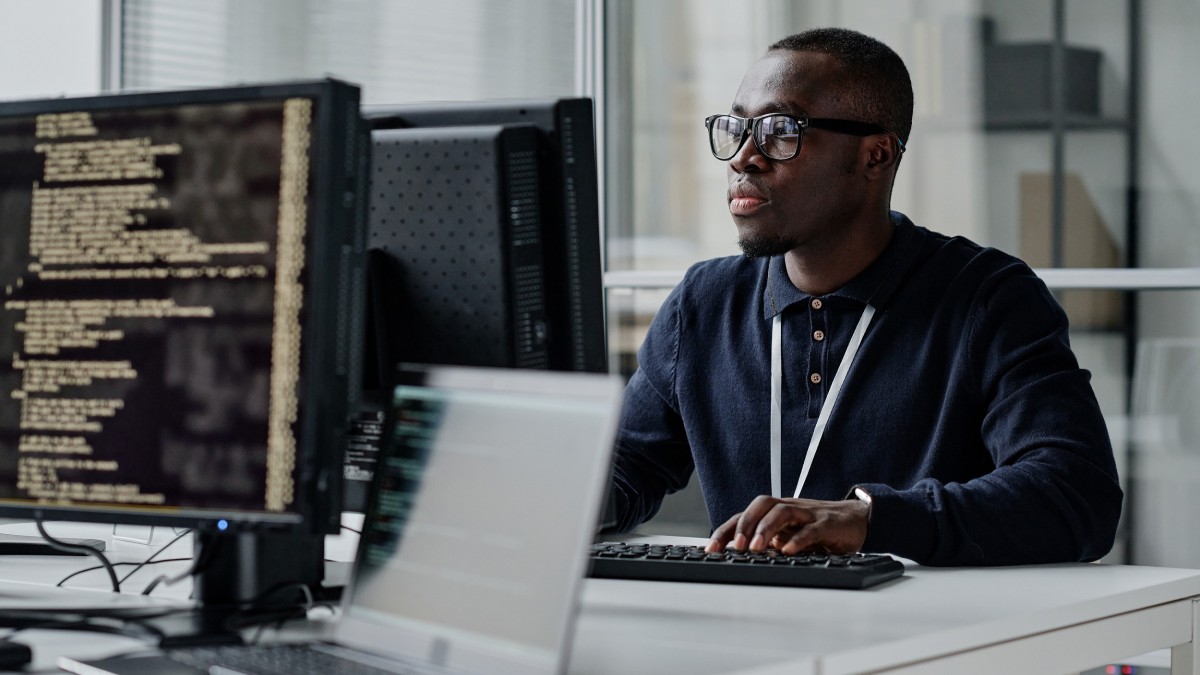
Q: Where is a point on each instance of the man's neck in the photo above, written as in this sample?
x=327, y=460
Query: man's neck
x=823, y=267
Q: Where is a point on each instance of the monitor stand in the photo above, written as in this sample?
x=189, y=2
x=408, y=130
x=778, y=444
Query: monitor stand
x=243, y=579
x=21, y=544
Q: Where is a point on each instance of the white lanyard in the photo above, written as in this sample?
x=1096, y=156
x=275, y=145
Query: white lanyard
x=835, y=388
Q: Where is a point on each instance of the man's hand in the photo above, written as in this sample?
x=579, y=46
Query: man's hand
x=795, y=525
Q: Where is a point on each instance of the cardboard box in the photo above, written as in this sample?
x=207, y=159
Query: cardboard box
x=1086, y=243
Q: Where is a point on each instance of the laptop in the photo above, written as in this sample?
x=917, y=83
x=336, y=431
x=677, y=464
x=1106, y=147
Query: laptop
x=475, y=544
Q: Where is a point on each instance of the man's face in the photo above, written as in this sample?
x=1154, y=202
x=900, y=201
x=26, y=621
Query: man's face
x=779, y=206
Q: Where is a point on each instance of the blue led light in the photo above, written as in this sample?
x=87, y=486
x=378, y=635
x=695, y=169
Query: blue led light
x=222, y=525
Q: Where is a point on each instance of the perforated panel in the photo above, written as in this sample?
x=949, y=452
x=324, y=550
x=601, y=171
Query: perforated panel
x=569, y=209
x=457, y=208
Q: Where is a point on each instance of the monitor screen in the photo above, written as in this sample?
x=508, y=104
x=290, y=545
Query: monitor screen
x=180, y=273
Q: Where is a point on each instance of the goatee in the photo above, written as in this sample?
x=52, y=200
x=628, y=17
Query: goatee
x=758, y=247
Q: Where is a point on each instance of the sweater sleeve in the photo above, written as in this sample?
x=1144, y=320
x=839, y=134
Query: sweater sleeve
x=652, y=456
x=1053, y=495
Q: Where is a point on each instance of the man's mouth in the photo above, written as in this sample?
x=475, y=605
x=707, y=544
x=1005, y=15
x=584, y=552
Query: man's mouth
x=744, y=206
x=745, y=198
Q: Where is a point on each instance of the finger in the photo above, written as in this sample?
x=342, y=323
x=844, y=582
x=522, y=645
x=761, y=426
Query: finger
x=747, y=526
x=721, y=536
x=819, y=537
x=781, y=523
x=801, y=540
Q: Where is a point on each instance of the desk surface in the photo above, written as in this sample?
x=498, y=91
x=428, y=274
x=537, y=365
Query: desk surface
x=630, y=626
x=929, y=614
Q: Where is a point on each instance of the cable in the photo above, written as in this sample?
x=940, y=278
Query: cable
x=118, y=564
x=358, y=532
x=81, y=621
x=76, y=548
x=280, y=588
x=155, y=554
x=200, y=561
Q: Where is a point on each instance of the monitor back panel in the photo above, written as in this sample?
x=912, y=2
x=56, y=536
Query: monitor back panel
x=569, y=209
x=456, y=211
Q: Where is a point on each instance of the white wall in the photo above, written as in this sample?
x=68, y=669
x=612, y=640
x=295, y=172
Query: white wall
x=49, y=48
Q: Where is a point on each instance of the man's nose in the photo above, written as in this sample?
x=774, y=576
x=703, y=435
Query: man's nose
x=748, y=159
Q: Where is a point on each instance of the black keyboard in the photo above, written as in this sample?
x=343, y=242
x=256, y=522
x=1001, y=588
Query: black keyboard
x=284, y=659
x=662, y=562
x=314, y=658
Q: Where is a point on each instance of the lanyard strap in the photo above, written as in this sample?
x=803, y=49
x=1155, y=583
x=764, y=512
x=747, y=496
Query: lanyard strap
x=835, y=388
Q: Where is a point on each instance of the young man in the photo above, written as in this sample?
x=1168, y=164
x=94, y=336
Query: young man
x=855, y=382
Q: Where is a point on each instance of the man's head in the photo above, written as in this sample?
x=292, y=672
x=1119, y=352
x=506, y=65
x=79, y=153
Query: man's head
x=838, y=178
x=874, y=86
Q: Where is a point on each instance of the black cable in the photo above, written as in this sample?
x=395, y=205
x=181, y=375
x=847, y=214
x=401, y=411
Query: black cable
x=76, y=548
x=280, y=588
x=262, y=628
x=155, y=555
x=201, y=561
x=85, y=570
x=116, y=621
x=79, y=621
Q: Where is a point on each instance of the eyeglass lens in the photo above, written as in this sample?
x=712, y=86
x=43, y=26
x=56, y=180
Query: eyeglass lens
x=777, y=136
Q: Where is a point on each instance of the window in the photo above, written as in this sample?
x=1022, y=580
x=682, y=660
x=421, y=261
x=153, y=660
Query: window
x=398, y=51
x=1094, y=187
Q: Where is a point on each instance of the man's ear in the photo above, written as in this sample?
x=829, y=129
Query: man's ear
x=881, y=153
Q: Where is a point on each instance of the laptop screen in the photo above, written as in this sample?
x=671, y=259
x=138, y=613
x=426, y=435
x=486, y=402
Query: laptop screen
x=489, y=491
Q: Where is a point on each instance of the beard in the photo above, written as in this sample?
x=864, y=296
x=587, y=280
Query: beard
x=764, y=247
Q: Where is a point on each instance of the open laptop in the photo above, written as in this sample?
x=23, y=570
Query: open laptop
x=476, y=536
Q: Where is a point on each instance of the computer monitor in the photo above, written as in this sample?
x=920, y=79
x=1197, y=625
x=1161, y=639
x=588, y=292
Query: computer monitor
x=181, y=279
x=564, y=147
x=484, y=247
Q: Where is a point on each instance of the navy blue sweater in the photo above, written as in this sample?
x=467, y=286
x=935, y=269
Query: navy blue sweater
x=965, y=414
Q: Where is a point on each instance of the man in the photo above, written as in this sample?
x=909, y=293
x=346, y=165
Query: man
x=855, y=382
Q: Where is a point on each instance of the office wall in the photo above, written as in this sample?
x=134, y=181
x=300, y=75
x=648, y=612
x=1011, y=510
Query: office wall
x=49, y=48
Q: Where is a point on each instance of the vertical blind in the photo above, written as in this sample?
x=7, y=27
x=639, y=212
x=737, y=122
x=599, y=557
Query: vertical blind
x=397, y=50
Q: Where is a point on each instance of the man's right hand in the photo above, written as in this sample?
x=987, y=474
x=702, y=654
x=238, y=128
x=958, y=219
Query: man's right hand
x=795, y=525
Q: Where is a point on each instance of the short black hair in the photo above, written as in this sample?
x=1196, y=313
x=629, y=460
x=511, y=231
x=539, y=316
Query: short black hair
x=877, y=87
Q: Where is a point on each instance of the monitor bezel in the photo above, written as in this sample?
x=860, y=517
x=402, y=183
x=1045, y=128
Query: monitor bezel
x=335, y=219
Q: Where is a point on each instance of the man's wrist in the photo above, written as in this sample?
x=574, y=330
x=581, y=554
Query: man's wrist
x=865, y=497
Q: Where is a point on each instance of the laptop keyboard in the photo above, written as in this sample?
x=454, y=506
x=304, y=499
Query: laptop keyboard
x=661, y=562
x=286, y=659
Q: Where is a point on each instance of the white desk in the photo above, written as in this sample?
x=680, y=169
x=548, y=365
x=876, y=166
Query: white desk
x=1051, y=619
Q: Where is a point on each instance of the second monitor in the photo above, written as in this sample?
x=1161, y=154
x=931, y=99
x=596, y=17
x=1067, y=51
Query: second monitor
x=536, y=166
x=484, y=240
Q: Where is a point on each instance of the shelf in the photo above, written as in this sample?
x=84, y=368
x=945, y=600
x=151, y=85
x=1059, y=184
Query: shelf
x=1042, y=122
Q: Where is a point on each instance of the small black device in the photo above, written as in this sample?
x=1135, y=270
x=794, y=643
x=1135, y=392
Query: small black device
x=14, y=655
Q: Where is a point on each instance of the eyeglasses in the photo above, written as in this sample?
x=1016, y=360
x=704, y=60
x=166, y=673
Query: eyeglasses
x=776, y=135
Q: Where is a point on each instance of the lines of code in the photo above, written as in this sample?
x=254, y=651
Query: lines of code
x=151, y=271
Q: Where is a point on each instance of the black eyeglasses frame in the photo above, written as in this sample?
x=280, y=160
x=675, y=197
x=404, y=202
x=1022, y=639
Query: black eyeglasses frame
x=804, y=122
